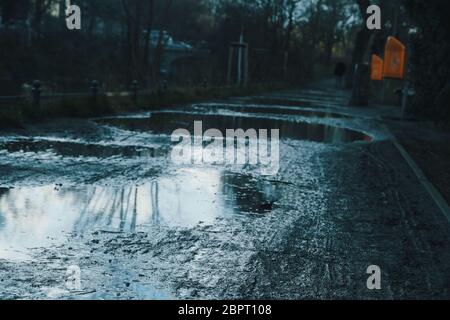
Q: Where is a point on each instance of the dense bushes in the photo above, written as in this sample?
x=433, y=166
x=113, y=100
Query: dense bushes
x=431, y=58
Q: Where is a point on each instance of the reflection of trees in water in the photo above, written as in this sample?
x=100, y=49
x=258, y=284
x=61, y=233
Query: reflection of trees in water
x=11, y=201
x=3, y=191
x=134, y=215
x=89, y=200
x=123, y=208
x=87, y=207
x=246, y=194
x=103, y=207
x=168, y=122
x=154, y=192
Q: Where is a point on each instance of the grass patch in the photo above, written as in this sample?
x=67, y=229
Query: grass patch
x=176, y=96
x=11, y=117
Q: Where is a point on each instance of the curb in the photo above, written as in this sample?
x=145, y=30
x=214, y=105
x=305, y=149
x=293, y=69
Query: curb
x=431, y=189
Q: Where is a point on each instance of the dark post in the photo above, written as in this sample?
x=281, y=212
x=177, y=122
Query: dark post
x=36, y=93
x=205, y=83
x=285, y=65
x=246, y=65
x=135, y=85
x=230, y=64
x=408, y=91
x=164, y=86
x=361, y=82
x=94, y=88
x=94, y=93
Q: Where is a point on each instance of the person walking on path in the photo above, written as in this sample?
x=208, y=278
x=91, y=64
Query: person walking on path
x=340, y=71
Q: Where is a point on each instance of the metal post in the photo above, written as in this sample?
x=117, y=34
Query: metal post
x=36, y=93
x=164, y=86
x=246, y=70
x=135, y=86
x=94, y=88
x=407, y=90
x=94, y=93
x=285, y=65
x=239, y=64
x=230, y=64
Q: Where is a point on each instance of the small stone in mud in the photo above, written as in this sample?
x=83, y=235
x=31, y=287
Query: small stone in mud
x=127, y=284
x=268, y=206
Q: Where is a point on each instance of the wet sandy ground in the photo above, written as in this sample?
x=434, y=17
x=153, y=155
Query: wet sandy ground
x=103, y=195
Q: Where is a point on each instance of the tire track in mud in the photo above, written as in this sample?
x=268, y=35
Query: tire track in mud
x=288, y=265
x=355, y=205
x=375, y=213
x=394, y=213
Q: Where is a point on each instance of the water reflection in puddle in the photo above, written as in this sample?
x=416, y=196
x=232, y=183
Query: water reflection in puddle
x=277, y=110
x=167, y=122
x=79, y=149
x=44, y=216
x=295, y=101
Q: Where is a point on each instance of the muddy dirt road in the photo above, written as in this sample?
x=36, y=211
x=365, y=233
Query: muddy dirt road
x=103, y=195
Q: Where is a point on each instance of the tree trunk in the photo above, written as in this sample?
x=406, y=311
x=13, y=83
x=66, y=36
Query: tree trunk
x=147, y=43
x=160, y=47
x=361, y=44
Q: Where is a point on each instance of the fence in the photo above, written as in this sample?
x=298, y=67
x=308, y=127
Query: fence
x=36, y=98
x=97, y=102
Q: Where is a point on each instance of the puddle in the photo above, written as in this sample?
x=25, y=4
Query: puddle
x=45, y=216
x=277, y=110
x=167, y=122
x=79, y=149
x=40, y=217
x=294, y=102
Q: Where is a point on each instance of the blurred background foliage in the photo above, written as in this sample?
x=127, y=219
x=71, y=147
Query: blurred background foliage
x=289, y=40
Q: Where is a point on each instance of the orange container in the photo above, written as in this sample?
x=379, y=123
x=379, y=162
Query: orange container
x=376, y=68
x=394, y=59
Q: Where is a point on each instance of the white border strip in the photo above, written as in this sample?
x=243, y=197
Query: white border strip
x=434, y=193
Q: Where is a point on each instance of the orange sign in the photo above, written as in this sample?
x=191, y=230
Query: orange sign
x=376, y=68
x=394, y=59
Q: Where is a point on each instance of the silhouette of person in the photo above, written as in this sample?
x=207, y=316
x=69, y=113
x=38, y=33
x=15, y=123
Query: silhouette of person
x=340, y=71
